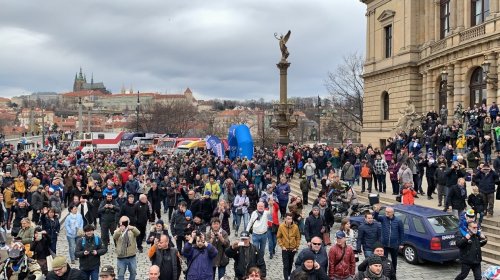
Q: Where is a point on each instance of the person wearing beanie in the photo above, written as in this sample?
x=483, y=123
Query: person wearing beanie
x=310, y=267
x=387, y=269
x=374, y=271
x=61, y=270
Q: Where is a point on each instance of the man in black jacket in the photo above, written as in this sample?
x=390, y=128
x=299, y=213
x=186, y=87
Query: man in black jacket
x=128, y=209
x=485, y=180
x=387, y=269
x=245, y=257
x=178, y=223
x=108, y=210
x=144, y=214
x=89, y=250
x=62, y=271
x=456, y=198
x=470, y=252
x=368, y=233
x=37, y=203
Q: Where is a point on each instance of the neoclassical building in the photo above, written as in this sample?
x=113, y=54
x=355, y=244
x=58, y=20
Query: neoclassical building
x=432, y=52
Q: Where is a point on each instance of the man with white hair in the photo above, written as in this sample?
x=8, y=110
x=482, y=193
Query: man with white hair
x=126, y=248
x=392, y=232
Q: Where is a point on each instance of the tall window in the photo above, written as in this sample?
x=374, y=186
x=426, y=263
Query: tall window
x=388, y=41
x=480, y=11
x=477, y=88
x=385, y=105
x=445, y=18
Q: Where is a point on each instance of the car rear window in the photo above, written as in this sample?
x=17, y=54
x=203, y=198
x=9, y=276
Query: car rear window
x=444, y=224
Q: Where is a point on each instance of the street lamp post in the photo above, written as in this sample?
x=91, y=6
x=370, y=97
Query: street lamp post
x=43, y=126
x=80, y=118
x=137, y=113
x=88, y=121
x=319, y=114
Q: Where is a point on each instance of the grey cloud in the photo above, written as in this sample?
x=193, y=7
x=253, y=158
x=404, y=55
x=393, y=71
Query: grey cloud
x=221, y=49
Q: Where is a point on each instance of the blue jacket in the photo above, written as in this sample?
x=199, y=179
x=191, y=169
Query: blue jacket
x=368, y=234
x=112, y=192
x=201, y=268
x=392, y=230
x=279, y=191
x=73, y=223
x=486, y=183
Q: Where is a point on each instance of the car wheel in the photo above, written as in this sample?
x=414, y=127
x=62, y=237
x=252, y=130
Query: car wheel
x=410, y=254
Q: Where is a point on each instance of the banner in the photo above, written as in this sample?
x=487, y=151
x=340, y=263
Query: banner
x=215, y=144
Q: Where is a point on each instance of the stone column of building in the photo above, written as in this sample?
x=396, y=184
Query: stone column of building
x=491, y=92
x=431, y=91
x=450, y=102
x=460, y=16
x=453, y=14
x=457, y=86
x=494, y=7
x=426, y=106
x=497, y=75
x=436, y=34
x=428, y=16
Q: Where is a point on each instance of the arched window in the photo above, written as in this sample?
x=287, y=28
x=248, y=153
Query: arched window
x=477, y=88
x=385, y=105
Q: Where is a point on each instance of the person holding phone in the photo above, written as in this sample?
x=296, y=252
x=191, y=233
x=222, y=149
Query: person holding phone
x=245, y=256
x=126, y=248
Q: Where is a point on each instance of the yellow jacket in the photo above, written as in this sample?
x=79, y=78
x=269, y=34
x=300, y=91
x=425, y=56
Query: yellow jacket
x=461, y=142
x=8, y=197
x=214, y=190
x=288, y=236
x=19, y=186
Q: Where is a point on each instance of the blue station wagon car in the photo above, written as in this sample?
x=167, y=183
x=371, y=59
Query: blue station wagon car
x=429, y=234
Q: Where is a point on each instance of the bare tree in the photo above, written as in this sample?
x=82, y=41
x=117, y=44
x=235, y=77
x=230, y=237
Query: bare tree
x=175, y=117
x=346, y=87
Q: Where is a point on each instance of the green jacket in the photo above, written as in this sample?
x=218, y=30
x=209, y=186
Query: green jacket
x=118, y=237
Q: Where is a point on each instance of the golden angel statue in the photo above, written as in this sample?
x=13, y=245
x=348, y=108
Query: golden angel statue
x=282, y=41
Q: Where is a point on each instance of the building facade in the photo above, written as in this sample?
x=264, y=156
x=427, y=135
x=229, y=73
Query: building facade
x=433, y=53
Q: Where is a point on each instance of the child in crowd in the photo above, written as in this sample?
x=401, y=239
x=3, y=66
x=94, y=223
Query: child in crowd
x=477, y=202
x=467, y=217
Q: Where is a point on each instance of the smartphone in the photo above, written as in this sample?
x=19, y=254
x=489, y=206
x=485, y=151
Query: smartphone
x=125, y=223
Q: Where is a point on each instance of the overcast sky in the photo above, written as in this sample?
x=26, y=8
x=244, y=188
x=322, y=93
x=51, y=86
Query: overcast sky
x=220, y=49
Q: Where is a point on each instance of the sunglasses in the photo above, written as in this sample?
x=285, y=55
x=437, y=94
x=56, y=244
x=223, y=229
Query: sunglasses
x=316, y=243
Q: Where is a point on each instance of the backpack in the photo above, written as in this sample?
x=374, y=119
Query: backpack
x=365, y=171
x=96, y=241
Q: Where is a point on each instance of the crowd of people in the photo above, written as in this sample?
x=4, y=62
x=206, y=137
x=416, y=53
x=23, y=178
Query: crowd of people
x=220, y=210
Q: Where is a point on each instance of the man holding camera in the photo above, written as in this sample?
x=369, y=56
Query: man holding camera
x=89, y=250
x=107, y=211
x=220, y=240
x=200, y=255
x=166, y=257
x=126, y=248
x=245, y=256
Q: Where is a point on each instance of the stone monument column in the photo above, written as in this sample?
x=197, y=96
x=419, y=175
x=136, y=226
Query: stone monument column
x=458, y=85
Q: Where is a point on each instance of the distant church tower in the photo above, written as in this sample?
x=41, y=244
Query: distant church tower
x=79, y=81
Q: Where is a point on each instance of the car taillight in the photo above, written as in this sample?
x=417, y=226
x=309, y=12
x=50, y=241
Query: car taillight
x=435, y=244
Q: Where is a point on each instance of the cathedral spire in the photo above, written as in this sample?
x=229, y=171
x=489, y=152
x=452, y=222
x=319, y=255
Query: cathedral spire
x=81, y=74
x=92, y=79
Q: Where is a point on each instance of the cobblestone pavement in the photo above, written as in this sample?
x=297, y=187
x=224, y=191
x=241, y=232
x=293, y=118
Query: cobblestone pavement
x=275, y=265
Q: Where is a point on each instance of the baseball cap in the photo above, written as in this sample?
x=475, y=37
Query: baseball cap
x=245, y=235
x=340, y=234
x=107, y=270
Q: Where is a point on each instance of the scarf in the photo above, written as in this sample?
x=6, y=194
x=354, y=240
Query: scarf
x=125, y=243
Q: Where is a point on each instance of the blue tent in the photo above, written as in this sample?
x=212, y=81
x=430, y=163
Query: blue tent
x=244, y=141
